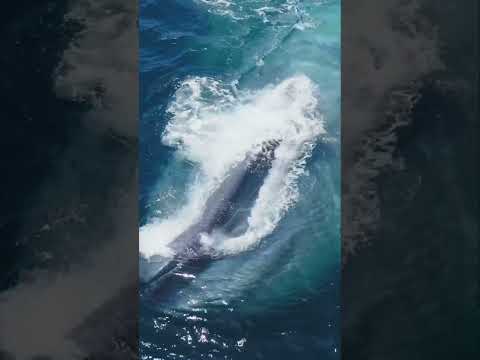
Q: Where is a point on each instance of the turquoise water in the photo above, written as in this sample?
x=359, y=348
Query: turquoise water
x=218, y=79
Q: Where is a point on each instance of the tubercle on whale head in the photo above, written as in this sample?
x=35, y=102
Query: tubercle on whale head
x=264, y=157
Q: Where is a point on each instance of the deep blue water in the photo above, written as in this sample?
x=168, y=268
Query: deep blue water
x=218, y=78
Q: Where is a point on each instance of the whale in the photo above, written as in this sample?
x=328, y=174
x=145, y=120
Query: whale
x=222, y=207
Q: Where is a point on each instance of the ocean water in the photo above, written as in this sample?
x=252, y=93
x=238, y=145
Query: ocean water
x=219, y=79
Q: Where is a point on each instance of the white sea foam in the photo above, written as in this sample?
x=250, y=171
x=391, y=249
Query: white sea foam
x=214, y=126
x=267, y=10
x=222, y=8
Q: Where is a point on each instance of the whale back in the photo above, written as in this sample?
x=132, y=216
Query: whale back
x=218, y=210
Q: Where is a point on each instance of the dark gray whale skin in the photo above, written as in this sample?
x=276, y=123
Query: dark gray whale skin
x=187, y=245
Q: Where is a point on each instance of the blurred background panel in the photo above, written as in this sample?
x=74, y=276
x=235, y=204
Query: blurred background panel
x=410, y=179
x=68, y=214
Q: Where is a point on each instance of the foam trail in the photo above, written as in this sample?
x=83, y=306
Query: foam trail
x=215, y=127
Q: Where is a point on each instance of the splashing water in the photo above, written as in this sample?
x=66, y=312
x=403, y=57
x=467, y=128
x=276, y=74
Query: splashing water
x=214, y=129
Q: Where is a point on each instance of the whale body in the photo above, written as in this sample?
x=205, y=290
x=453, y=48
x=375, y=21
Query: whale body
x=220, y=208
